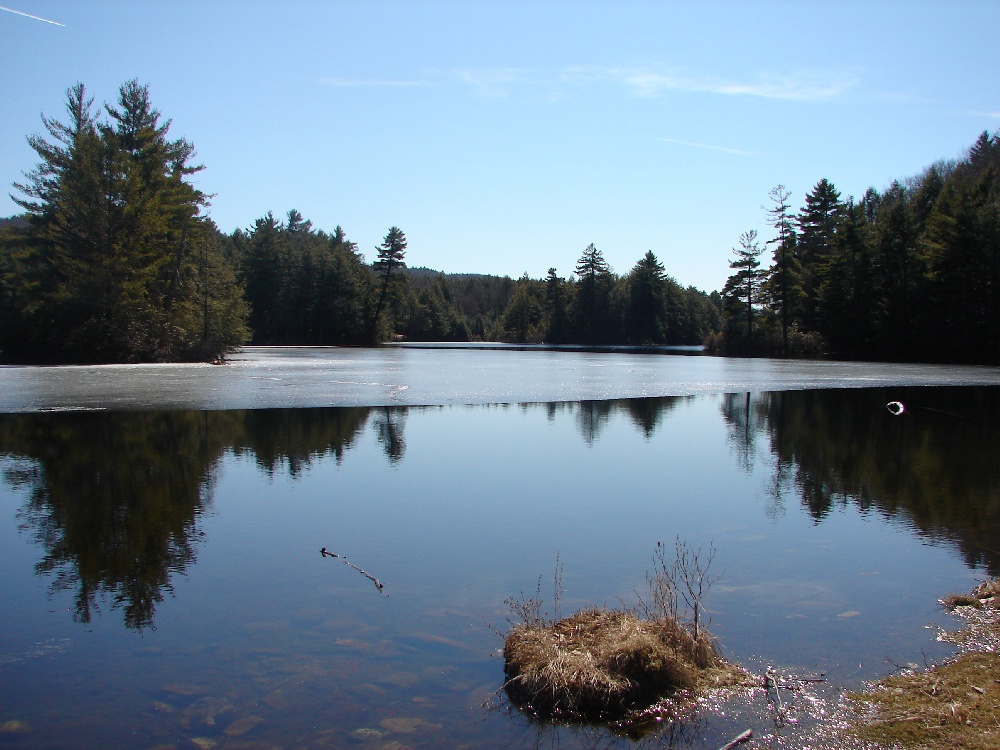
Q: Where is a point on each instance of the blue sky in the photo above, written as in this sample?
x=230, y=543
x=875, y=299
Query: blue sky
x=504, y=137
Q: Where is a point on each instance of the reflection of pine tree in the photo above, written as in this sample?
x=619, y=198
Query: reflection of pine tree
x=115, y=502
x=933, y=468
x=647, y=413
x=389, y=425
x=737, y=409
x=115, y=498
x=297, y=438
x=592, y=417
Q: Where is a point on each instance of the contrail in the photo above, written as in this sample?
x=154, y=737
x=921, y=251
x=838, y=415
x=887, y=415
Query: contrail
x=28, y=15
x=723, y=149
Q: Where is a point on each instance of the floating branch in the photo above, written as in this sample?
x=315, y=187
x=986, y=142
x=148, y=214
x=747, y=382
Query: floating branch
x=896, y=408
x=378, y=584
x=738, y=740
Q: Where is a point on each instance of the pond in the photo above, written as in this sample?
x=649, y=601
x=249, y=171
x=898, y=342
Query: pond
x=164, y=587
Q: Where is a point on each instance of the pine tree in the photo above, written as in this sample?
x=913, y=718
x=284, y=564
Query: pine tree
x=391, y=254
x=116, y=246
x=592, y=305
x=743, y=290
x=646, y=321
x=783, y=287
x=557, y=321
x=818, y=223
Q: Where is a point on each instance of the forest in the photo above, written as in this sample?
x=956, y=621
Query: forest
x=116, y=259
x=911, y=273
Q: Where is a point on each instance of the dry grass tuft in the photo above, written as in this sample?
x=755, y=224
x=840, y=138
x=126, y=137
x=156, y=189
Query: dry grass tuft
x=598, y=665
x=983, y=595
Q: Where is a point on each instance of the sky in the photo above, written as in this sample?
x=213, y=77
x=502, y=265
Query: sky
x=505, y=137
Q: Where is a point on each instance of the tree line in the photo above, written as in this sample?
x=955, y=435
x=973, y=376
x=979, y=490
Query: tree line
x=909, y=273
x=115, y=259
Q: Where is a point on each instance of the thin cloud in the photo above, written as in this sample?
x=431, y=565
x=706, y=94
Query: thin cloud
x=803, y=87
x=494, y=82
x=28, y=15
x=643, y=82
x=370, y=82
x=711, y=147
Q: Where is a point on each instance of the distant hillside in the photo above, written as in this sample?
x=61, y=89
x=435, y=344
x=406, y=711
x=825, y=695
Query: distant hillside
x=14, y=221
x=421, y=272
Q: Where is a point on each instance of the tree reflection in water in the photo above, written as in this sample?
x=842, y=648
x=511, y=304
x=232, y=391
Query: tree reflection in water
x=114, y=499
x=933, y=465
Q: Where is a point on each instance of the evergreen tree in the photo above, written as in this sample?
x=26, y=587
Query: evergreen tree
x=391, y=254
x=646, y=321
x=557, y=320
x=962, y=248
x=305, y=287
x=742, y=291
x=522, y=320
x=592, y=304
x=898, y=275
x=846, y=299
x=783, y=287
x=116, y=252
x=265, y=273
x=818, y=222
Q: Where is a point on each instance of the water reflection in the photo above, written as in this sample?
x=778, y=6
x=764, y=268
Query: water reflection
x=592, y=417
x=389, y=427
x=114, y=499
x=294, y=438
x=934, y=465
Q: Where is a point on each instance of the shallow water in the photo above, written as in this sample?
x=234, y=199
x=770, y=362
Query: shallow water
x=164, y=585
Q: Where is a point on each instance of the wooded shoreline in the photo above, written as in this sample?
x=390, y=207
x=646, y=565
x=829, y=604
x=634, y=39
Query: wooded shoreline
x=116, y=259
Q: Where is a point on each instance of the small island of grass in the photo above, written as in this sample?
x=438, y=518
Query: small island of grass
x=602, y=665
x=622, y=668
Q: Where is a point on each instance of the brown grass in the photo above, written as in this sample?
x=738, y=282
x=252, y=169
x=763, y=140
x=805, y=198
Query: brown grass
x=599, y=665
x=982, y=595
x=952, y=705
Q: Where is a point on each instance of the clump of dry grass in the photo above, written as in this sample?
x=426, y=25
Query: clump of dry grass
x=983, y=594
x=601, y=664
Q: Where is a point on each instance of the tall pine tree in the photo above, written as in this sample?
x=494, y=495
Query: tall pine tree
x=118, y=249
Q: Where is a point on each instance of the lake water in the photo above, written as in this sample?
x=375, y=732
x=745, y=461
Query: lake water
x=162, y=526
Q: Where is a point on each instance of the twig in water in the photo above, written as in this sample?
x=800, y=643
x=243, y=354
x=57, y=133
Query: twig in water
x=738, y=740
x=780, y=716
x=378, y=584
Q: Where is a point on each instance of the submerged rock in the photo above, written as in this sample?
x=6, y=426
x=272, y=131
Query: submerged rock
x=241, y=726
x=204, y=712
x=401, y=679
x=367, y=734
x=406, y=724
x=15, y=727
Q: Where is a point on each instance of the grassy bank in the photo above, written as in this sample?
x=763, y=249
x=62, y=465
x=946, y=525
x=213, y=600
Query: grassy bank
x=953, y=705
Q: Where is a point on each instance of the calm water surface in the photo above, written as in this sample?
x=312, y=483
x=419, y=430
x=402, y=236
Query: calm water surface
x=163, y=585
